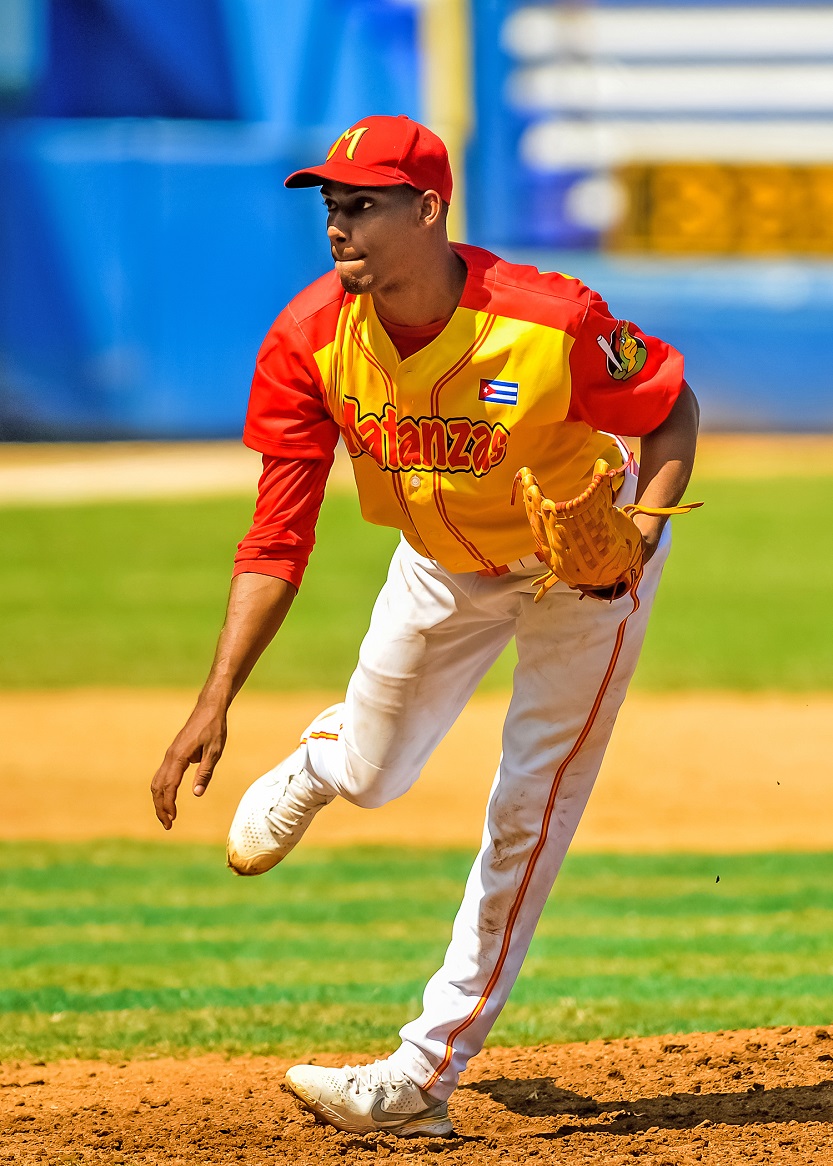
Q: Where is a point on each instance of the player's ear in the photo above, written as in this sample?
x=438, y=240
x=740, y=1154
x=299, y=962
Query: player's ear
x=431, y=208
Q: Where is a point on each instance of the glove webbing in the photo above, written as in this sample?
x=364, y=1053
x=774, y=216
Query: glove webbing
x=566, y=510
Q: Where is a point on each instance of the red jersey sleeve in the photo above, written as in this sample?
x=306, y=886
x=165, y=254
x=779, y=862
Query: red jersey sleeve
x=622, y=380
x=282, y=534
x=287, y=416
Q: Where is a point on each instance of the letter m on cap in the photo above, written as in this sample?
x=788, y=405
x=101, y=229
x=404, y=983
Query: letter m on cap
x=352, y=138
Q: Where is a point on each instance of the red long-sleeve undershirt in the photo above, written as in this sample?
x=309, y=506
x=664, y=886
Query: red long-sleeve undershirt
x=282, y=534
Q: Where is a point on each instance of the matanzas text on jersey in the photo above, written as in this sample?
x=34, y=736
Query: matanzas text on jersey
x=454, y=444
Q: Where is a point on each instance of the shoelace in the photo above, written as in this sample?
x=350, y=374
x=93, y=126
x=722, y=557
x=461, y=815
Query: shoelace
x=294, y=804
x=365, y=1078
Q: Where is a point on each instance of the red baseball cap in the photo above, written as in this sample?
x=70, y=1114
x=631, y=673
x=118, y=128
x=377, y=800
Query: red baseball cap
x=384, y=151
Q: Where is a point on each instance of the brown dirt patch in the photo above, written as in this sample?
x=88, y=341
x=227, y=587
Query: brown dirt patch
x=713, y=773
x=759, y=1096
x=65, y=474
x=59, y=474
x=785, y=455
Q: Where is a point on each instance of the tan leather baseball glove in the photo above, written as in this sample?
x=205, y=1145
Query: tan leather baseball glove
x=590, y=544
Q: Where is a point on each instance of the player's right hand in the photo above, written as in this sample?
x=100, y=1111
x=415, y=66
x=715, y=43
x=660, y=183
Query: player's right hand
x=200, y=742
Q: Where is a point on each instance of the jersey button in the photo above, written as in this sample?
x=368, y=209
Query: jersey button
x=416, y=481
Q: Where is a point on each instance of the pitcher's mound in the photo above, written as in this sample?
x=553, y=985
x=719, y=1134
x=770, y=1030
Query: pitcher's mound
x=764, y=1095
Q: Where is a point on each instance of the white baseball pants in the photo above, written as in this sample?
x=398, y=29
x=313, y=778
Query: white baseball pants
x=432, y=637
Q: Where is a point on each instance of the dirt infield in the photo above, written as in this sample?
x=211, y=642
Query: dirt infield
x=760, y=1096
x=711, y=772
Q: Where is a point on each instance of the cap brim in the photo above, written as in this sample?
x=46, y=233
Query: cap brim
x=345, y=172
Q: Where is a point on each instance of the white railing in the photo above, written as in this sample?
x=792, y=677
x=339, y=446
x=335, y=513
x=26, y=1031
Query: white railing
x=645, y=33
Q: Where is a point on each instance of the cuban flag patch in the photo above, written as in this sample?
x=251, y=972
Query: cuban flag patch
x=499, y=392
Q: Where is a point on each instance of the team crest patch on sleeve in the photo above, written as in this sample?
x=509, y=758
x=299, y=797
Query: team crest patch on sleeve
x=499, y=392
x=626, y=354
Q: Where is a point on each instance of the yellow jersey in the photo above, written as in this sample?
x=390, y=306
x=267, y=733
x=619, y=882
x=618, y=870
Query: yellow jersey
x=531, y=369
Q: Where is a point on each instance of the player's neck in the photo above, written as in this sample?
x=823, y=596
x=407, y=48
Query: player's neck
x=431, y=292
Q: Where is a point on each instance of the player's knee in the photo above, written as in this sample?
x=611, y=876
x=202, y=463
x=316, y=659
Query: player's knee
x=368, y=799
x=369, y=786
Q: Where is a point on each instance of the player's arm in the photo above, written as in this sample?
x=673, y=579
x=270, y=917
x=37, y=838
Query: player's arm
x=269, y=565
x=258, y=605
x=665, y=464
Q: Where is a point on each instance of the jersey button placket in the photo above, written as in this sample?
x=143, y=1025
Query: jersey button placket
x=405, y=404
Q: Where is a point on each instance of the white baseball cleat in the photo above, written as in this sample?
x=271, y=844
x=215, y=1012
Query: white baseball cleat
x=272, y=816
x=366, y=1099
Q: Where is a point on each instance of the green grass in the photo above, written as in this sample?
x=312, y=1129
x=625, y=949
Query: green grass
x=121, y=949
x=134, y=594
x=745, y=599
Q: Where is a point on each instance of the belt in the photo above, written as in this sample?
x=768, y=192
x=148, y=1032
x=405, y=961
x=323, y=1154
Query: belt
x=519, y=565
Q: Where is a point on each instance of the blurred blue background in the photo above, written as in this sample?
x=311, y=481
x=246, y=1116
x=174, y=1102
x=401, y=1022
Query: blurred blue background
x=679, y=158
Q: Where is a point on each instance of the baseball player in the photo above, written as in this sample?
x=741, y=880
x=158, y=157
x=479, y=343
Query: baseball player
x=444, y=369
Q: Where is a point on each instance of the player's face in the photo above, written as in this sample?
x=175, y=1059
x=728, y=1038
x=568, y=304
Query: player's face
x=373, y=233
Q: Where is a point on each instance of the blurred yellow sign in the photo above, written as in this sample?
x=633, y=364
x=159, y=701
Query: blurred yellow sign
x=690, y=208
